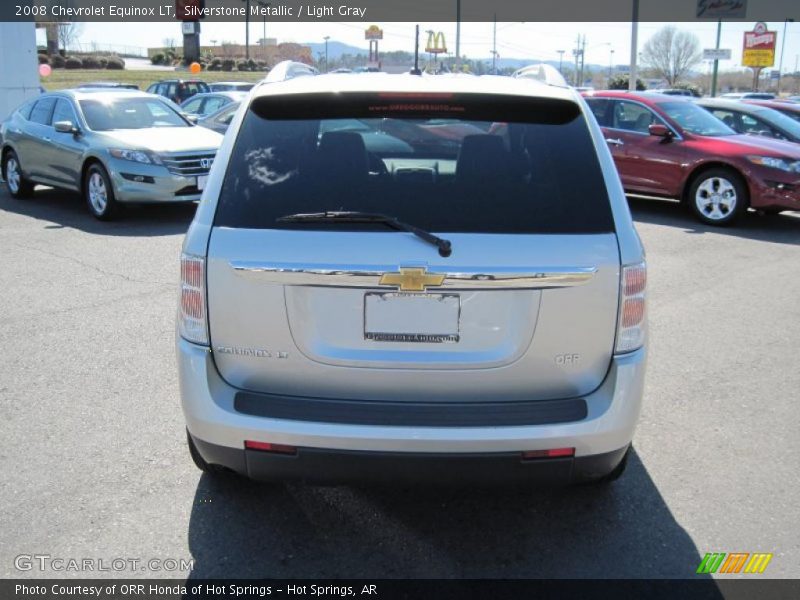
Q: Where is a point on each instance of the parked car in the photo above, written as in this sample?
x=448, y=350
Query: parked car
x=748, y=96
x=790, y=109
x=114, y=85
x=470, y=309
x=675, y=92
x=753, y=119
x=113, y=147
x=178, y=90
x=230, y=86
x=671, y=147
x=220, y=120
x=205, y=104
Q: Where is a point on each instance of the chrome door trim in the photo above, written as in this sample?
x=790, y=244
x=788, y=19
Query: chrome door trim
x=368, y=276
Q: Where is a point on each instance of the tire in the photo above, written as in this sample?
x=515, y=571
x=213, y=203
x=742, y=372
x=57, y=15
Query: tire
x=99, y=193
x=16, y=184
x=718, y=196
x=615, y=474
x=198, y=460
x=214, y=471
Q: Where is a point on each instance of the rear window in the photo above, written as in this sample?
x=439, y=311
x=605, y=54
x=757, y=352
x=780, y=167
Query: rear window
x=446, y=163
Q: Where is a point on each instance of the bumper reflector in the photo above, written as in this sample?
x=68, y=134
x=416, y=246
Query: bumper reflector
x=268, y=447
x=554, y=453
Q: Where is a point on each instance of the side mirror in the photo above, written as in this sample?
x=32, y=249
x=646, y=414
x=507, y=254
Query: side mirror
x=660, y=130
x=65, y=127
x=191, y=118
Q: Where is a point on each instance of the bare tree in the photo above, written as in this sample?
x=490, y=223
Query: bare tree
x=671, y=53
x=169, y=43
x=68, y=33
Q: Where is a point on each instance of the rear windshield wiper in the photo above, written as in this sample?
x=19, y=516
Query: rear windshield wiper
x=352, y=216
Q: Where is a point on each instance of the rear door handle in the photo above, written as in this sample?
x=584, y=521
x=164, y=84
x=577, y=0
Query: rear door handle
x=47, y=139
x=615, y=141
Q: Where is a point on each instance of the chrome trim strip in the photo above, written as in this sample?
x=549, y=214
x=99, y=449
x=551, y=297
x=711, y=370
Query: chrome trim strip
x=367, y=276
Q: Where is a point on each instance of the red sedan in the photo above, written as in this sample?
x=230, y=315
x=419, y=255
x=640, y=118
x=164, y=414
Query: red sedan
x=670, y=147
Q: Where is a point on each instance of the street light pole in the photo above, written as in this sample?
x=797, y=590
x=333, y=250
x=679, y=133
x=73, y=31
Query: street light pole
x=611, y=64
x=783, y=47
x=560, y=60
x=326, y=38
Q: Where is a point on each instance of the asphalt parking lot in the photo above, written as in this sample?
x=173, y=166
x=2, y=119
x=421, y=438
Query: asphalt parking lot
x=95, y=465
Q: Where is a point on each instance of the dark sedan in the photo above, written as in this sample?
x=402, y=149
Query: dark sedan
x=753, y=119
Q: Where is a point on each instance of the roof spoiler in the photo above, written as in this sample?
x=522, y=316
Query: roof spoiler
x=542, y=72
x=289, y=69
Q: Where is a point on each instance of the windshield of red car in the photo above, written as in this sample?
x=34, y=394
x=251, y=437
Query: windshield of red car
x=694, y=119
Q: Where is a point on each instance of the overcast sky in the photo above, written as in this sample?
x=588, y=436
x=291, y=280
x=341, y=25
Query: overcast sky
x=536, y=41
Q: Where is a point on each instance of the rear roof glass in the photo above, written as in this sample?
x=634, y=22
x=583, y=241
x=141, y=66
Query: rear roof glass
x=444, y=162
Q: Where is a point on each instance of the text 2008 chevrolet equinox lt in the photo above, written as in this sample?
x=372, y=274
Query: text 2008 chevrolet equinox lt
x=418, y=278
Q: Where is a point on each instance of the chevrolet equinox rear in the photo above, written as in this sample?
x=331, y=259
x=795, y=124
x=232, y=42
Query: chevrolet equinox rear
x=415, y=278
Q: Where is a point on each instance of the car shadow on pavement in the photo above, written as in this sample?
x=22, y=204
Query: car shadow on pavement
x=68, y=209
x=241, y=529
x=779, y=229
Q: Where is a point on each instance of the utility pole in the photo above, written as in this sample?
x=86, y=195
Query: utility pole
x=577, y=54
x=560, y=60
x=264, y=6
x=494, y=46
x=715, y=70
x=634, y=43
x=326, y=38
x=783, y=47
x=583, y=58
x=415, y=70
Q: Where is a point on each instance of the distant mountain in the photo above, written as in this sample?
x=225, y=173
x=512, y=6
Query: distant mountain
x=335, y=49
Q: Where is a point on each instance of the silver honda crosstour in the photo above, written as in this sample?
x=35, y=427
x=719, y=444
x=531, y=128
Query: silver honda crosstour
x=113, y=147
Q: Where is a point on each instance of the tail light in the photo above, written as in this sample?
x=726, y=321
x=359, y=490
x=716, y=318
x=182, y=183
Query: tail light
x=192, y=321
x=631, y=320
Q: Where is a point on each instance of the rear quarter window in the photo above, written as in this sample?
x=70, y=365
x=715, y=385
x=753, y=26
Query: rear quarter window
x=467, y=163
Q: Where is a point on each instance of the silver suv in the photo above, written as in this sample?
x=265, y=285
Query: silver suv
x=411, y=277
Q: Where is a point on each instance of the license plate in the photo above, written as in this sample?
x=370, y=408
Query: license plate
x=201, y=182
x=398, y=317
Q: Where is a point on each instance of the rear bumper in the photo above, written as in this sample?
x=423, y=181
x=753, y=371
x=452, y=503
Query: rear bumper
x=314, y=465
x=212, y=419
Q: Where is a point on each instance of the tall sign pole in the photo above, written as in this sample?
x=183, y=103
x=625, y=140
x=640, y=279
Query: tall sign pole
x=758, y=50
x=716, y=62
x=634, y=45
x=458, y=36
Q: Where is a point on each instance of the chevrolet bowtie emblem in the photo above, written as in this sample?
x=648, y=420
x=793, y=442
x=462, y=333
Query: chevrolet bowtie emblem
x=412, y=279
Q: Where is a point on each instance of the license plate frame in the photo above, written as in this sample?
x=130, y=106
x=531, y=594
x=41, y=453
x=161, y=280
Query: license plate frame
x=424, y=312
